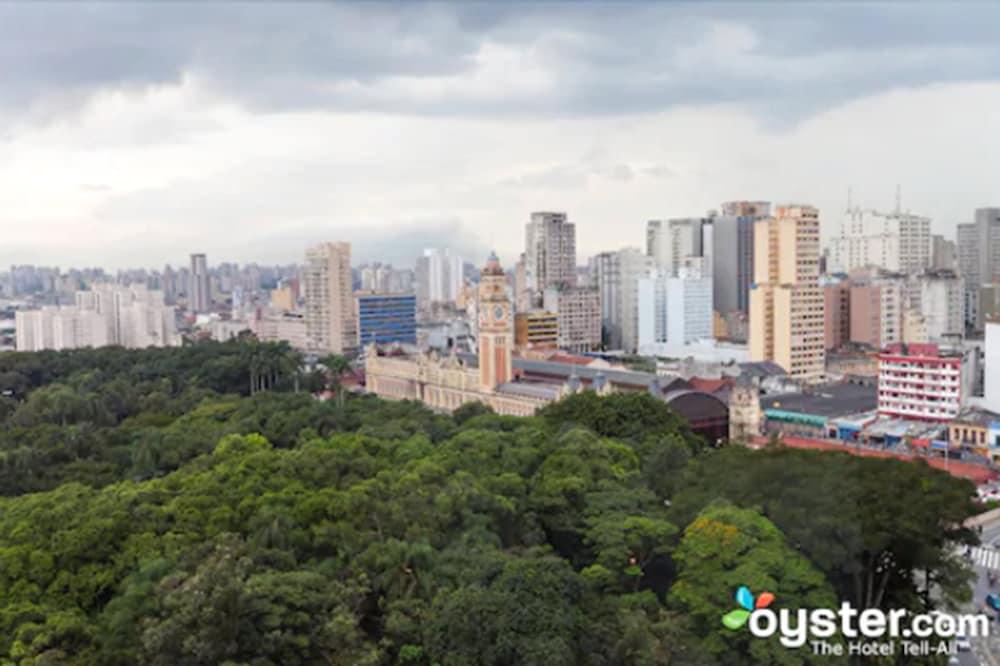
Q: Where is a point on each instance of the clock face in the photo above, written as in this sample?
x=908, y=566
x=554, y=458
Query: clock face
x=498, y=313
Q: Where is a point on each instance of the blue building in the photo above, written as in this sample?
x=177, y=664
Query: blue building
x=385, y=318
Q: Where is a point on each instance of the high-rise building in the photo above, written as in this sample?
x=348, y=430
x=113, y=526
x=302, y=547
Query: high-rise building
x=386, y=318
x=732, y=249
x=786, y=303
x=495, y=332
x=674, y=311
x=131, y=316
x=331, y=322
x=199, y=291
x=967, y=250
x=919, y=382
x=895, y=241
x=979, y=259
x=438, y=276
x=578, y=312
x=617, y=275
x=991, y=375
x=939, y=297
x=669, y=242
x=549, y=254
x=876, y=311
x=944, y=254
x=836, y=312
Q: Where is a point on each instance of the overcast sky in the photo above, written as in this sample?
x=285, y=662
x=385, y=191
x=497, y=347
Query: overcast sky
x=132, y=134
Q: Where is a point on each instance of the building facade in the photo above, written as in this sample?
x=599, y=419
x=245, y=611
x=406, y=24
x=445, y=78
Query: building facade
x=668, y=242
x=331, y=320
x=200, y=289
x=617, y=275
x=131, y=316
x=939, y=297
x=732, y=250
x=536, y=329
x=895, y=241
x=387, y=318
x=438, y=277
x=919, y=382
x=549, y=254
x=786, y=302
x=578, y=311
x=675, y=311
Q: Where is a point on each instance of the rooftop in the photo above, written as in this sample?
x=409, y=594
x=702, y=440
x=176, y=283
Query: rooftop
x=828, y=400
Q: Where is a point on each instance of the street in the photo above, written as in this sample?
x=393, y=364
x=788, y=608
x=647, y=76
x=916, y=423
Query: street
x=985, y=559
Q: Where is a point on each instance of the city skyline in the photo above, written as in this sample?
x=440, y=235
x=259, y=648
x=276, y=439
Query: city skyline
x=153, y=135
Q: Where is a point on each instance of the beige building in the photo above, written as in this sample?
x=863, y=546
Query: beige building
x=578, y=312
x=331, y=322
x=537, y=328
x=283, y=298
x=289, y=327
x=786, y=302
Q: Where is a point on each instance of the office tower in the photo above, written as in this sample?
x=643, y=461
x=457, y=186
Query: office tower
x=674, y=310
x=669, y=242
x=578, y=312
x=944, y=255
x=786, y=303
x=895, y=241
x=919, y=382
x=495, y=323
x=732, y=247
x=617, y=276
x=386, y=318
x=549, y=253
x=438, y=276
x=939, y=298
x=199, y=291
x=331, y=324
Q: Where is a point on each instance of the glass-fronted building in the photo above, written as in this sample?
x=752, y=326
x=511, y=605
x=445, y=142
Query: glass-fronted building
x=387, y=318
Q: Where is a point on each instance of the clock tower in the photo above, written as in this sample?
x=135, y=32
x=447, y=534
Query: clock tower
x=495, y=334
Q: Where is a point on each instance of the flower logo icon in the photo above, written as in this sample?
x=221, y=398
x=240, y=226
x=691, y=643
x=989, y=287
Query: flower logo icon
x=735, y=619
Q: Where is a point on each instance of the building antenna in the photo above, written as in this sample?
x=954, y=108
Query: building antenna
x=848, y=198
x=899, y=199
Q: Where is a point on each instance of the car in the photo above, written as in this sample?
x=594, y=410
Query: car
x=993, y=601
x=962, y=643
x=995, y=543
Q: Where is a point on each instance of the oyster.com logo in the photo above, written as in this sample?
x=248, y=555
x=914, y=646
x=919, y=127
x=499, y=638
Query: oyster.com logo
x=738, y=617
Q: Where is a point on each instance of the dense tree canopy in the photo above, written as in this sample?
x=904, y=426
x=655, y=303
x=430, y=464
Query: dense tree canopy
x=191, y=507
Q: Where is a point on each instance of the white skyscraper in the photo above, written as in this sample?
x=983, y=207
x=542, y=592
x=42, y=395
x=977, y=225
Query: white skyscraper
x=439, y=276
x=896, y=241
x=674, y=311
x=131, y=316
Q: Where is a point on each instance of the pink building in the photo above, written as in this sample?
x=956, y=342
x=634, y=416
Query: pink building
x=919, y=382
x=836, y=314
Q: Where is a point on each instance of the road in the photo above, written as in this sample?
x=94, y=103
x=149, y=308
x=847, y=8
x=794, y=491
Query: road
x=986, y=652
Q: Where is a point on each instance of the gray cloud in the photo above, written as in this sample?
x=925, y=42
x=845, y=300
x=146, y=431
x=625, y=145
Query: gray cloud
x=783, y=59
